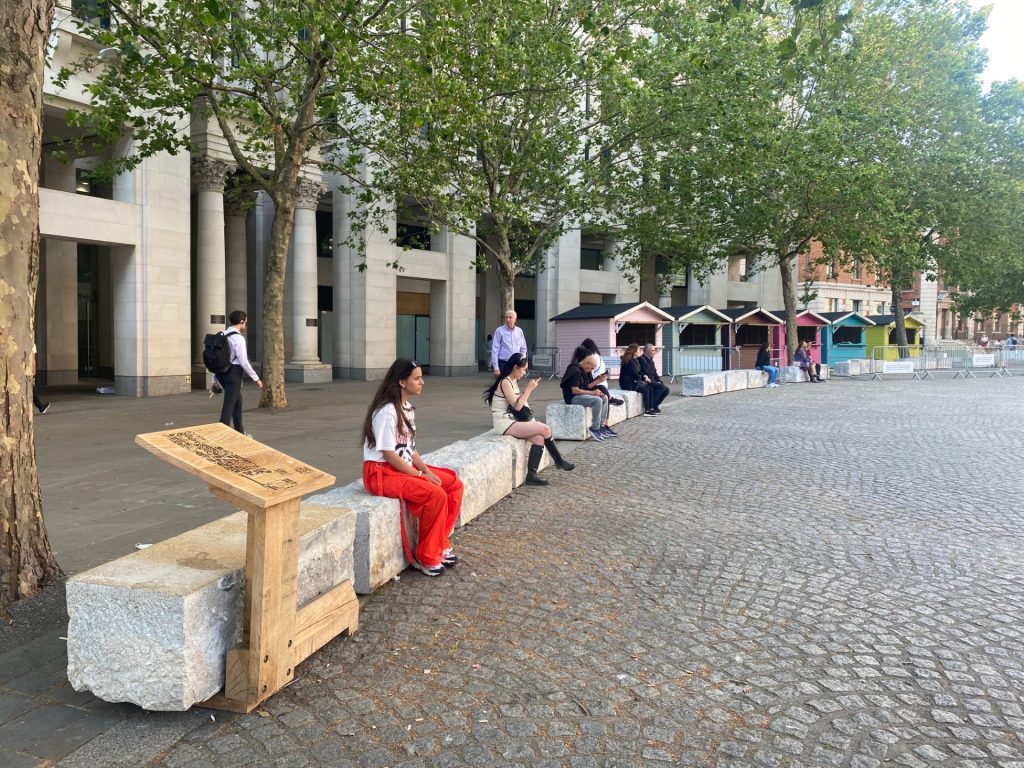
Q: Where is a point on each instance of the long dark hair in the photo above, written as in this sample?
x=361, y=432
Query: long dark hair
x=515, y=361
x=589, y=344
x=390, y=391
x=581, y=354
x=629, y=353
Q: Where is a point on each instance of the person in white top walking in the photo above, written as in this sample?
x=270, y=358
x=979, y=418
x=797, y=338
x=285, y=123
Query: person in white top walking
x=508, y=339
x=231, y=380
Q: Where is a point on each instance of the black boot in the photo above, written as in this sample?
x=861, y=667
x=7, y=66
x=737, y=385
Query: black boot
x=532, y=478
x=557, y=457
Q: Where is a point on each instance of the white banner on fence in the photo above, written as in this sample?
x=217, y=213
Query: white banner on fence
x=983, y=361
x=898, y=366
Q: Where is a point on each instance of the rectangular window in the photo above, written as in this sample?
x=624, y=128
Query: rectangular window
x=93, y=12
x=695, y=335
x=847, y=335
x=636, y=333
x=591, y=258
x=414, y=236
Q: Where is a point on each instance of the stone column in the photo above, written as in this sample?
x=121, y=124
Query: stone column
x=304, y=365
x=57, y=299
x=236, y=273
x=211, y=302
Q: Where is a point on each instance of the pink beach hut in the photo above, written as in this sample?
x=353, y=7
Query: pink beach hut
x=613, y=327
x=808, y=328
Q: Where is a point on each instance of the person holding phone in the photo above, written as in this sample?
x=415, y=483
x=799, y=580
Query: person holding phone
x=600, y=373
x=506, y=401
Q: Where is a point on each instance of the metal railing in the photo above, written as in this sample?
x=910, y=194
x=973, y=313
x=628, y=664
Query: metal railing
x=961, y=360
x=544, y=362
x=685, y=361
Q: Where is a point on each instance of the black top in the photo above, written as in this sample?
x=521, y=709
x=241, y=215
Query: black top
x=629, y=374
x=762, y=359
x=573, y=377
x=647, y=368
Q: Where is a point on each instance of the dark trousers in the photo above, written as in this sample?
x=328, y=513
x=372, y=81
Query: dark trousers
x=39, y=404
x=659, y=392
x=646, y=394
x=232, y=407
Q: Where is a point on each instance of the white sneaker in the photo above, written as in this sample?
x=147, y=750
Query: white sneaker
x=772, y=386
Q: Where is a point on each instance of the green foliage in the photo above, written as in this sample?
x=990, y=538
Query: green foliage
x=502, y=118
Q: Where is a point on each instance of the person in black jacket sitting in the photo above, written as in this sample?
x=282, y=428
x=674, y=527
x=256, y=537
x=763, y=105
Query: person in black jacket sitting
x=631, y=378
x=600, y=373
x=578, y=389
x=764, y=363
x=650, y=377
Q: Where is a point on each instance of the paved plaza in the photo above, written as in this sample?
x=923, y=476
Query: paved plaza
x=815, y=576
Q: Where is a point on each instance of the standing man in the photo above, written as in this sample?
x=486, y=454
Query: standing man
x=508, y=339
x=650, y=377
x=231, y=381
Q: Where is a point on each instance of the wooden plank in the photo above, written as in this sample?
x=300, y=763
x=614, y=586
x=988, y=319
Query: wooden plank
x=324, y=619
x=271, y=566
x=247, y=469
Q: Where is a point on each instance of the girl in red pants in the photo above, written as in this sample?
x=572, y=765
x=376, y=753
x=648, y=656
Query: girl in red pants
x=392, y=467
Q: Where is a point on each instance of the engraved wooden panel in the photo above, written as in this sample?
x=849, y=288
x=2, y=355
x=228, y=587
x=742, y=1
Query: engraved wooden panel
x=245, y=468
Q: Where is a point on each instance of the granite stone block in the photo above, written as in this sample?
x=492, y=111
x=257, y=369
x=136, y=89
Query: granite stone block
x=735, y=380
x=568, y=422
x=704, y=384
x=152, y=628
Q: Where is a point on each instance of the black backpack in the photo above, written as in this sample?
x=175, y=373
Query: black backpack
x=217, y=352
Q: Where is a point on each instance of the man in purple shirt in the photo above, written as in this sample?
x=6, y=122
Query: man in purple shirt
x=231, y=379
x=508, y=339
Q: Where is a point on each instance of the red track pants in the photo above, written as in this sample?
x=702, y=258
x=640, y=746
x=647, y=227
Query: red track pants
x=435, y=506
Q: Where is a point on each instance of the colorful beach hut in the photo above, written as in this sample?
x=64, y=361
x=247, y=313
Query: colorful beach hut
x=844, y=338
x=612, y=327
x=809, y=327
x=750, y=327
x=694, y=343
x=882, y=337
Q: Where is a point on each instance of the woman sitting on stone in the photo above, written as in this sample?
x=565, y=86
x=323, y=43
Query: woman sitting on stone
x=600, y=374
x=764, y=363
x=393, y=467
x=631, y=378
x=504, y=397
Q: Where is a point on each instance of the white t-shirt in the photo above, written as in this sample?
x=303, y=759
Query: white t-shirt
x=600, y=368
x=386, y=434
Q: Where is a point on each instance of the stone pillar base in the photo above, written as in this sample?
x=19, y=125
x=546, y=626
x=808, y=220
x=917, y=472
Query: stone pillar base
x=359, y=374
x=57, y=378
x=307, y=373
x=151, y=386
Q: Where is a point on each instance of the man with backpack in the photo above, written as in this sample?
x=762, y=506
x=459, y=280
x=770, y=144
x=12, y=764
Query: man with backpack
x=225, y=355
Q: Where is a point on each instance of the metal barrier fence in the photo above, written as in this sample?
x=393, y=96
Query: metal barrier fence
x=961, y=360
x=544, y=362
x=1009, y=359
x=684, y=361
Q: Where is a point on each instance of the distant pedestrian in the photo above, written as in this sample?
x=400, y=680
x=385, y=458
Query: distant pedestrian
x=231, y=380
x=764, y=363
x=600, y=373
x=631, y=378
x=983, y=341
x=39, y=404
x=577, y=390
x=649, y=375
x=806, y=363
x=509, y=418
x=393, y=467
x=508, y=339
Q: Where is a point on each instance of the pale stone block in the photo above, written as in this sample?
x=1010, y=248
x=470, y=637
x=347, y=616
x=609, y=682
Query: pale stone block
x=634, y=402
x=152, y=628
x=735, y=380
x=792, y=374
x=704, y=384
x=568, y=422
x=756, y=379
x=377, y=551
x=842, y=368
x=486, y=468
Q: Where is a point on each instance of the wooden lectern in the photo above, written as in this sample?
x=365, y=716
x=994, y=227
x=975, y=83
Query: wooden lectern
x=268, y=486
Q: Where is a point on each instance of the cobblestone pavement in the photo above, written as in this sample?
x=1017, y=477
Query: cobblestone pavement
x=810, y=576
